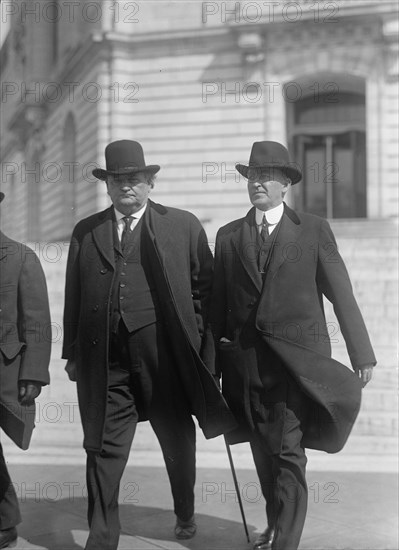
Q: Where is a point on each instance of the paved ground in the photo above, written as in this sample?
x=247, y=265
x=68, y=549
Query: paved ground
x=347, y=510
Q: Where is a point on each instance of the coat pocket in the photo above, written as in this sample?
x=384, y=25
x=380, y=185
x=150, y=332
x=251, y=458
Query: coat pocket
x=11, y=349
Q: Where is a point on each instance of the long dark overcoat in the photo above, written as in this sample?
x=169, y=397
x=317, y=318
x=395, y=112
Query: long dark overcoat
x=181, y=264
x=25, y=335
x=287, y=311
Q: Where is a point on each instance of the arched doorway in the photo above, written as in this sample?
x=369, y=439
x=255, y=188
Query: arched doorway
x=327, y=135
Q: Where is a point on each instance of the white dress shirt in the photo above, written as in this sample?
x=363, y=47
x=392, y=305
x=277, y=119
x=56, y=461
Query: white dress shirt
x=136, y=218
x=273, y=216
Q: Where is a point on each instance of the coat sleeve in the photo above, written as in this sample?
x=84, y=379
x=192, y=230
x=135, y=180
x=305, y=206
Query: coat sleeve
x=72, y=298
x=218, y=307
x=201, y=269
x=333, y=280
x=34, y=323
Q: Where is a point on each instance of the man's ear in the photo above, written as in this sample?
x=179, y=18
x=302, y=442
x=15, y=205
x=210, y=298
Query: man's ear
x=287, y=185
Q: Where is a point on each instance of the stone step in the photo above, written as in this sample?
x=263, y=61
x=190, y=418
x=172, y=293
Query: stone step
x=371, y=444
x=376, y=399
x=385, y=377
x=386, y=358
x=359, y=248
x=60, y=426
x=365, y=228
x=146, y=449
x=372, y=291
x=372, y=273
x=378, y=423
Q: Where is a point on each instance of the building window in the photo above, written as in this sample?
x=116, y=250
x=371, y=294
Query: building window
x=328, y=140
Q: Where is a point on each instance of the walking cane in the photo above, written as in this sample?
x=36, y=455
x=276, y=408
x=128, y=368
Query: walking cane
x=237, y=488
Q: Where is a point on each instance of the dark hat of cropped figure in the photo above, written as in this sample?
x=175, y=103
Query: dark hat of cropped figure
x=124, y=157
x=270, y=154
x=1, y=196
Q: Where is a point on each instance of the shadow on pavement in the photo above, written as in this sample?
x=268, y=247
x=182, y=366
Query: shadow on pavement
x=61, y=525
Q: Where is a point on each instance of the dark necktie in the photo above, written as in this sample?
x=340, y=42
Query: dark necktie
x=127, y=220
x=265, y=228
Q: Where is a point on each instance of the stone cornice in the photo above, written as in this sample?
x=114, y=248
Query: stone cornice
x=156, y=36
x=323, y=11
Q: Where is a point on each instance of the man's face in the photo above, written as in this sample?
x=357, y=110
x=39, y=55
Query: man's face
x=128, y=192
x=267, y=187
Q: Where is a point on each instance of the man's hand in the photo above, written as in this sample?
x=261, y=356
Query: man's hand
x=28, y=391
x=365, y=373
x=70, y=368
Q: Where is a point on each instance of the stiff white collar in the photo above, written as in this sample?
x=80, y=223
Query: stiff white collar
x=137, y=215
x=273, y=216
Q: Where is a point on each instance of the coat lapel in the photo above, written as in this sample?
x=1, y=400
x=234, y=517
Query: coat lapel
x=159, y=227
x=3, y=251
x=5, y=245
x=245, y=242
x=289, y=233
x=103, y=235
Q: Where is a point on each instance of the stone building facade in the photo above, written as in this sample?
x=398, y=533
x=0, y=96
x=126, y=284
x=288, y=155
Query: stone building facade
x=197, y=83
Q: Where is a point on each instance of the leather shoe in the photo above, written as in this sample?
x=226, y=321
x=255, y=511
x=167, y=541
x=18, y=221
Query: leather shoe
x=265, y=539
x=8, y=537
x=185, y=529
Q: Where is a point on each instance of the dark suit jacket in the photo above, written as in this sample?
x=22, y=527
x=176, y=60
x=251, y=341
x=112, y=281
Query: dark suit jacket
x=182, y=268
x=286, y=310
x=25, y=335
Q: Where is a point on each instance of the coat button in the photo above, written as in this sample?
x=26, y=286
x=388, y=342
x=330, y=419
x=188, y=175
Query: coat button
x=95, y=308
x=95, y=341
x=103, y=271
x=122, y=285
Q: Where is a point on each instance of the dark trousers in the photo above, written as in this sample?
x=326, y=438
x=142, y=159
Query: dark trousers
x=141, y=378
x=282, y=475
x=9, y=508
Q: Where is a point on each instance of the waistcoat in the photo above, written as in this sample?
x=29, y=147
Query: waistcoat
x=134, y=297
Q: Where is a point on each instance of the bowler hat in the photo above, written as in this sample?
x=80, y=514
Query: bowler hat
x=270, y=154
x=1, y=196
x=124, y=157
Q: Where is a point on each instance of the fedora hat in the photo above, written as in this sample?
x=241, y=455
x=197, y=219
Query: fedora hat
x=124, y=157
x=270, y=154
x=1, y=196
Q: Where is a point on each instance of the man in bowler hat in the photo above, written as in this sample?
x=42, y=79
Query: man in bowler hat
x=25, y=343
x=272, y=268
x=137, y=289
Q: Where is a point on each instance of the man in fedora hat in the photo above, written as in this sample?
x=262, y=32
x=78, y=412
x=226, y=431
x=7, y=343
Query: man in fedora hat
x=137, y=289
x=272, y=268
x=25, y=344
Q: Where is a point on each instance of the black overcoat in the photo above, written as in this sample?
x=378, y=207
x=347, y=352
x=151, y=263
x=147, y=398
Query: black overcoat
x=25, y=335
x=287, y=310
x=181, y=264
